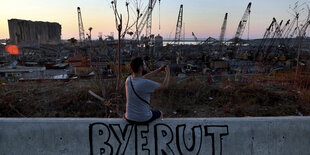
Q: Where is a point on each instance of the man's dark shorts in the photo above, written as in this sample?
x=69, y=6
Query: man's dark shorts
x=156, y=114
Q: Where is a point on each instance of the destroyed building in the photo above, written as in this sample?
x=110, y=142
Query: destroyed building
x=34, y=32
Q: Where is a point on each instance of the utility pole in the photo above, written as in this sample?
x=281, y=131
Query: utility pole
x=183, y=33
x=119, y=29
x=137, y=27
x=90, y=45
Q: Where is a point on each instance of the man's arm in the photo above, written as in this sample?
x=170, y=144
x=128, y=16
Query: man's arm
x=157, y=71
x=165, y=84
x=154, y=73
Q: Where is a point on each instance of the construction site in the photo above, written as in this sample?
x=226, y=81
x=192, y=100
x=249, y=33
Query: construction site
x=214, y=77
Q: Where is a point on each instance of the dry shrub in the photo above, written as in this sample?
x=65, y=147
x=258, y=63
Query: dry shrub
x=187, y=98
x=195, y=98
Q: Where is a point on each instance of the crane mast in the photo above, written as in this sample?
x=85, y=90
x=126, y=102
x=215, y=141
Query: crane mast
x=178, y=30
x=149, y=19
x=243, y=22
x=81, y=27
x=223, y=29
x=146, y=19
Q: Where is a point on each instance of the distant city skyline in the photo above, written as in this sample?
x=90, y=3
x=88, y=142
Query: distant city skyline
x=203, y=17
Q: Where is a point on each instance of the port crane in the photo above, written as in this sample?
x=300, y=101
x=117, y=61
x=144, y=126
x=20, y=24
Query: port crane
x=178, y=30
x=149, y=19
x=145, y=21
x=196, y=39
x=242, y=23
x=223, y=31
x=81, y=27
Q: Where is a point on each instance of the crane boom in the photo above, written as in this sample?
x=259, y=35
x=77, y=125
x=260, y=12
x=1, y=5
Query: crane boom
x=223, y=29
x=243, y=22
x=178, y=30
x=81, y=27
x=144, y=19
x=149, y=19
x=193, y=34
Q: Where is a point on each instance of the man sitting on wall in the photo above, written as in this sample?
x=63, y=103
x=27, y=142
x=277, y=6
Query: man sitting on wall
x=138, y=92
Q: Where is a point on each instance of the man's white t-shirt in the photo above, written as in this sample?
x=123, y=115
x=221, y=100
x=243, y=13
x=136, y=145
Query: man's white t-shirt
x=136, y=109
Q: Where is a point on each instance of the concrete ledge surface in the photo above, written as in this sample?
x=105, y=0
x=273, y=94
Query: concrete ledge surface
x=96, y=136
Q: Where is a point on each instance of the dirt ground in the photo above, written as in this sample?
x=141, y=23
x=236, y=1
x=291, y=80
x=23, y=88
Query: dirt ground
x=190, y=98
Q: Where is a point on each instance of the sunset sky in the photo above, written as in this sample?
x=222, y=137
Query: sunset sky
x=203, y=17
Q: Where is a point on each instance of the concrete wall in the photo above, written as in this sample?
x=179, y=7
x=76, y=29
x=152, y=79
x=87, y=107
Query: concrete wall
x=29, y=32
x=214, y=136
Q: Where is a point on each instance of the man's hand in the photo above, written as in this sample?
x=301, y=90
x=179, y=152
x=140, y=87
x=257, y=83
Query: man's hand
x=164, y=66
x=165, y=84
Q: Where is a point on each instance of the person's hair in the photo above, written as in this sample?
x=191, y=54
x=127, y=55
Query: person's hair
x=135, y=64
